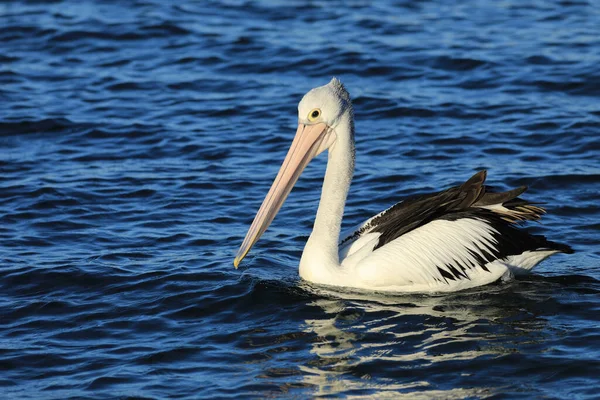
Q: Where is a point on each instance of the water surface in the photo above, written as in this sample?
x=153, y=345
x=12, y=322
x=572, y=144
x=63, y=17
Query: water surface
x=138, y=139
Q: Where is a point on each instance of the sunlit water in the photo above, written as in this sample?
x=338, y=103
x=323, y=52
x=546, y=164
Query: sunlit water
x=138, y=139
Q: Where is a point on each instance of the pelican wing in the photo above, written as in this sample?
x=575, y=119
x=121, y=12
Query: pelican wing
x=449, y=236
x=453, y=252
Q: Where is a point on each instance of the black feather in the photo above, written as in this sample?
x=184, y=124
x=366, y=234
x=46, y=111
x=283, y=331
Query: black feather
x=420, y=210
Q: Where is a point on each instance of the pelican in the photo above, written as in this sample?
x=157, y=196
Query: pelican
x=459, y=238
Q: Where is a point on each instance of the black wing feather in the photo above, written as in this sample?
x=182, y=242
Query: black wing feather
x=419, y=210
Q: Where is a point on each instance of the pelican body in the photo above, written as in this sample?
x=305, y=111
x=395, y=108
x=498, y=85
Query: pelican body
x=462, y=237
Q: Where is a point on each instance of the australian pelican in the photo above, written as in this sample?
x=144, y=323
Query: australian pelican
x=459, y=238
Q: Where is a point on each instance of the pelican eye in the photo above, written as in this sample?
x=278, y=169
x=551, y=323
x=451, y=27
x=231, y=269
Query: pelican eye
x=314, y=114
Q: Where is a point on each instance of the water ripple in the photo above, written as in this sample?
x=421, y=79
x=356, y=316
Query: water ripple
x=138, y=140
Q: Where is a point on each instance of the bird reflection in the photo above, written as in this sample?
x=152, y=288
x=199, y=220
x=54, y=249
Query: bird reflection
x=401, y=346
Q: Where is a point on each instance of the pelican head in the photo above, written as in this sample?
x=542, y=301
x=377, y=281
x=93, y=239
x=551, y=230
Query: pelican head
x=320, y=112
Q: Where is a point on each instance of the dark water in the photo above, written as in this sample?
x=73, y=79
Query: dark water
x=138, y=139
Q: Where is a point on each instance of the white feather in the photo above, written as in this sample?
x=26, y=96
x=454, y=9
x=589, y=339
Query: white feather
x=521, y=264
x=410, y=262
x=358, y=249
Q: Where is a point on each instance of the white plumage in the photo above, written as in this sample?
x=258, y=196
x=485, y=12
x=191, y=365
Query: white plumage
x=459, y=238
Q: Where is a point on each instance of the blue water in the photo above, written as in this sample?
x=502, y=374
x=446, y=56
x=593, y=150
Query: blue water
x=137, y=140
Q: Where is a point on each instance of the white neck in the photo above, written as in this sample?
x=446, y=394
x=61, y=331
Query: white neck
x=320, y=259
